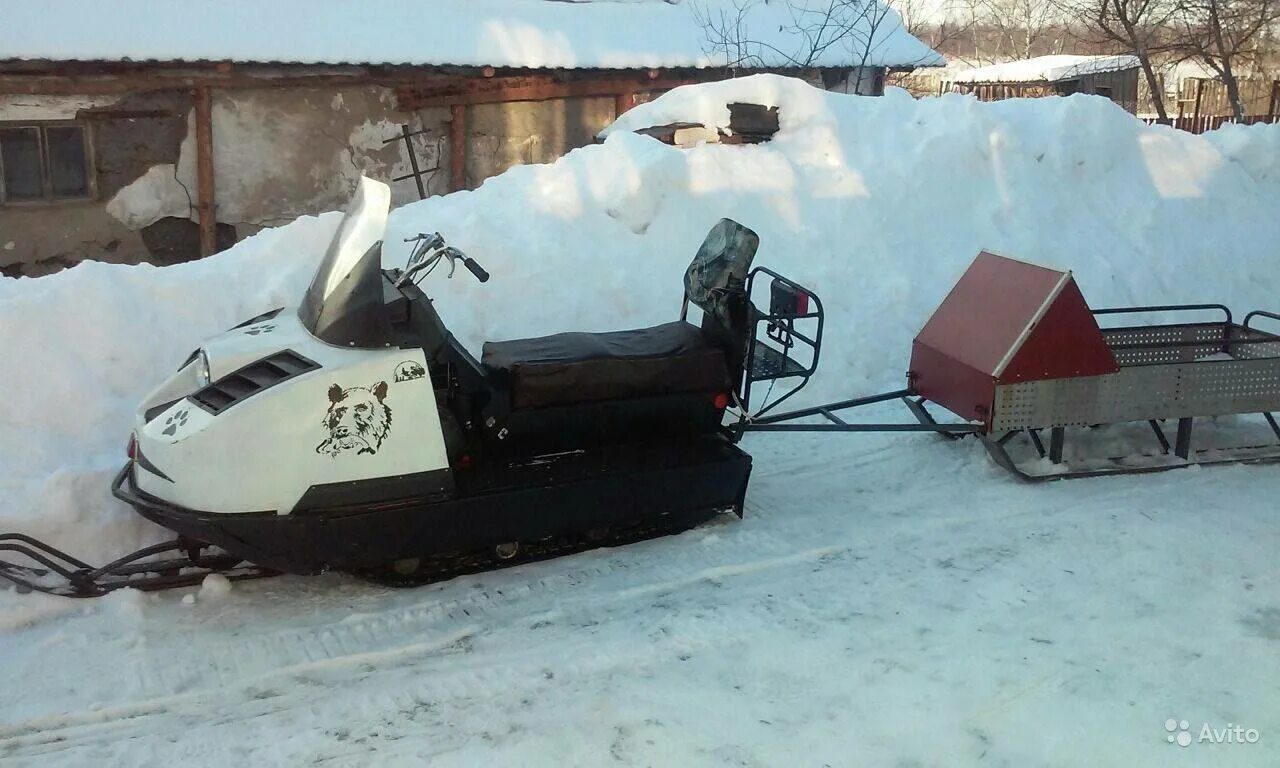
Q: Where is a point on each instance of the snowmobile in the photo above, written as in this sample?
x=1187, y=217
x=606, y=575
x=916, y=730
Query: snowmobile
x=354, y=432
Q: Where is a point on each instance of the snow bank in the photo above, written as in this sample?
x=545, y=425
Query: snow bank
x=81, y=347
x=878, y=204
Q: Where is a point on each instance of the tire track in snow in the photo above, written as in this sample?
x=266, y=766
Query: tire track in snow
x=179, y=669
x=434, y=660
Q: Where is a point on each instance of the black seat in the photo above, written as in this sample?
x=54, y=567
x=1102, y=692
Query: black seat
x=568, y=368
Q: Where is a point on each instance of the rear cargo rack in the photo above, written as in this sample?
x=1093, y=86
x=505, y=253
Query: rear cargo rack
x=242, y=384
x=792, y=329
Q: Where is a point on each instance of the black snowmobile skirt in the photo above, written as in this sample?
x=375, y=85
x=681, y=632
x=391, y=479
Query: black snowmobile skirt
x=555, y=496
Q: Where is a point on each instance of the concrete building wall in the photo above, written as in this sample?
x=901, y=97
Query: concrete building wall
x=523, y=132
x=278, y=154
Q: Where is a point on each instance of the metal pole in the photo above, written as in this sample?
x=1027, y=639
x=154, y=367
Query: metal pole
x=1182, y=444
x=1164, y=441
x=413, y=162
x=1272, y=421
x=1057, y=436
x=817, y=410
x=952, y=428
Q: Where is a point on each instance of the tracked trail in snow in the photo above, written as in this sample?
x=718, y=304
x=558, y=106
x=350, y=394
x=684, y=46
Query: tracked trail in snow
x=645, y=570
x=825, y=608
x=261, y=676
x=201, y=685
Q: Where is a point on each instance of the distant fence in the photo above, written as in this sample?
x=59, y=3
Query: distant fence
x=1202, y=123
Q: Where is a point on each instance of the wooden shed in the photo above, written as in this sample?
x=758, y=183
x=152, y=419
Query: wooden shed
x=1115, y=77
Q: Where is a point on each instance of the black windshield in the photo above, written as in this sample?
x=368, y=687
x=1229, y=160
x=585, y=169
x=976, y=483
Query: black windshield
x=344, y=304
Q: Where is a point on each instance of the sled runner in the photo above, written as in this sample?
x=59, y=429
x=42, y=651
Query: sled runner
x=355, y=433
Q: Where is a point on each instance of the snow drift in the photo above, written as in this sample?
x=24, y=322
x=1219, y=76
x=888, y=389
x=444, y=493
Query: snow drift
x=878, y=204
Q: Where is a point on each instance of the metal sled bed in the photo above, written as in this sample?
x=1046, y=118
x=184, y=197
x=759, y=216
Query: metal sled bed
x=1177, y=371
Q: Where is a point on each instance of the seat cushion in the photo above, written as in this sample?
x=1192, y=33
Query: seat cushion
x=571, y=368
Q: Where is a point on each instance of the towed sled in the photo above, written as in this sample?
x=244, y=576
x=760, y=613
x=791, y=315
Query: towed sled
x=355, y=433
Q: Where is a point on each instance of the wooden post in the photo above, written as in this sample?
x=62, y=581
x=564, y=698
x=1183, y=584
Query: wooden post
x=1273, y=107
x=1199, y=93
x=204, y=171
x=622, y=102
x=457, y=148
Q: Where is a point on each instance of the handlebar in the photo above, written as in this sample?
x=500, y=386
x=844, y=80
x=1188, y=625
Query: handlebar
x=419, y=261
x=475, y=269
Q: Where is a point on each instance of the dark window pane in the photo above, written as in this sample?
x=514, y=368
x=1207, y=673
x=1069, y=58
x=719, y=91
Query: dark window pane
x=67, y=173
x=20, y=156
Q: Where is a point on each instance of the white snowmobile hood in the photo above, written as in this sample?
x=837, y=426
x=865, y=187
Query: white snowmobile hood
x=296, y=399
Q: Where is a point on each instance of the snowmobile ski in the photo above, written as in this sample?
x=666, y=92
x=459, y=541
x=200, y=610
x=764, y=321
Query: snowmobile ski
x=147, y=569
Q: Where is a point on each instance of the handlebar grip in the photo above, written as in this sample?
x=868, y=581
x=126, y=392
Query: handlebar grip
x=475, y=269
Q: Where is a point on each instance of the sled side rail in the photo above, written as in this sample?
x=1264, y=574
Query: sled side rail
x=1258, y=313
x=1165, y=308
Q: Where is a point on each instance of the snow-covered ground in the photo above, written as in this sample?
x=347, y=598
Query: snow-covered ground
x=888, y=599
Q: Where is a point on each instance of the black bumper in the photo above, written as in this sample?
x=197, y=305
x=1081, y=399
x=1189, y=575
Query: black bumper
x=238, y=534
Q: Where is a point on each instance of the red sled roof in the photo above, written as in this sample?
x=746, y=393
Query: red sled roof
x=1005, y=321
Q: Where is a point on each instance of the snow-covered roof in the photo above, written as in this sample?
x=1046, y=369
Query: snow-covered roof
x=608, y=34
x=1045, y=69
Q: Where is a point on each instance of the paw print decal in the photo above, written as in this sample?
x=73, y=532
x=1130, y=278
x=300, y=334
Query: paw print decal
x=254, y=330
x=174, y=421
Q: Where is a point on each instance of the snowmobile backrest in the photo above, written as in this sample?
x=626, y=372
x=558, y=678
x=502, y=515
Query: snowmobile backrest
x=716, y=283
x=720, y=267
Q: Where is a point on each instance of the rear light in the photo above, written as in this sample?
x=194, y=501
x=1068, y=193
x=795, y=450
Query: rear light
x=802, y=304
x=132, y=449
x=721, y=401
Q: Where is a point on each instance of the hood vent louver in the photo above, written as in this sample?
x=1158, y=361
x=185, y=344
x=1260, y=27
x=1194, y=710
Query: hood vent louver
x=258, y=318
x=252, y=379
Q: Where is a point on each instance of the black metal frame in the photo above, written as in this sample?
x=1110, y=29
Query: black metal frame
x=418, y=172
x=1258, y=313
x=788, y=422
x=780, y=327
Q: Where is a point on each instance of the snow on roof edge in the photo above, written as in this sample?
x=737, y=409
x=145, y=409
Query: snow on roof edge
x=520, y=34
x=1050, y=69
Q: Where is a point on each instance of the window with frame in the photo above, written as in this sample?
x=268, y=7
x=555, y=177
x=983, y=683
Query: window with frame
x=46, y=161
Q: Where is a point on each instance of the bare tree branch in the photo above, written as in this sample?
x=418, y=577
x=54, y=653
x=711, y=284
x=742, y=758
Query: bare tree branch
x=859, y=28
